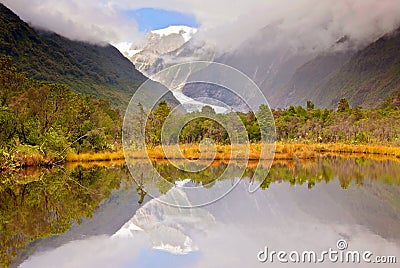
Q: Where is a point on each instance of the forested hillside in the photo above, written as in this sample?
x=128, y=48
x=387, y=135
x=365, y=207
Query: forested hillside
x=101, y=71
x=365, y=77
x=368, y=78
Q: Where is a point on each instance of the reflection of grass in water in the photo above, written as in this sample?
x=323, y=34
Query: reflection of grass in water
x=313, y=150
x=295, y=172
x=91, y=164
x=347, y=171
x=206, y=176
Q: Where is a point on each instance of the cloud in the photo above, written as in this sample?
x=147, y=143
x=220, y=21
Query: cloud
x=312, y=24
x=91, y=21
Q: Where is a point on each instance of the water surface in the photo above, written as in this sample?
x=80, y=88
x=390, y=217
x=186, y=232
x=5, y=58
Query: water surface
x=97, y=216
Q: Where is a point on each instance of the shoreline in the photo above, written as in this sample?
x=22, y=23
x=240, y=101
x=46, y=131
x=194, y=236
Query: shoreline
x=283, y=151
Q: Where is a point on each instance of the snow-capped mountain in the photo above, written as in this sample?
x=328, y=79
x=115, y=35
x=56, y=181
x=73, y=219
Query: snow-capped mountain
x=166, y=47
x=157, y=43
x=185, y=31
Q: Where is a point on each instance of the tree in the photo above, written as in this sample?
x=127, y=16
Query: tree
x=156, y=122
x=358, y=113
x=7, y=123
x=310, y=105
x=343, y=105
x=207, y=110
x=266, y=122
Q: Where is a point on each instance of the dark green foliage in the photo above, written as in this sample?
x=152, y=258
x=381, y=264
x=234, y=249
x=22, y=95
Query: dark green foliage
x=343, y=105
x=206, y=124
x=155, y=123
x=201, y=128
x=208, y=110
x=349, y=125
x=310, y=105
x=7, y=123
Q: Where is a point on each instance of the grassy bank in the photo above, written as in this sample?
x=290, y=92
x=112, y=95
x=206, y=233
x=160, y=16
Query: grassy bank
x=101, y=156
x=26, y=156
x=304, y=151
x=224, y=152
x=287, y=151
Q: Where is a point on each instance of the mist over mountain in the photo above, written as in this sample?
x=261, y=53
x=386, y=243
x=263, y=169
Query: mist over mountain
x=311, y=24
x=193, y=50
x=366, y=75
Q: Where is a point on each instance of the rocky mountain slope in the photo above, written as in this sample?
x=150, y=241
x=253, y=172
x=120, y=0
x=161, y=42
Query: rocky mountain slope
x=157, y=44
x=365, y=75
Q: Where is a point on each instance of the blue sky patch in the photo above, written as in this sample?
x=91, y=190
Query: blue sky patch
x=149, y=258
x=153, y=19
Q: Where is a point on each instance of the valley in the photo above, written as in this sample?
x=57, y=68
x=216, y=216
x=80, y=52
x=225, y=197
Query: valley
x=198, y=133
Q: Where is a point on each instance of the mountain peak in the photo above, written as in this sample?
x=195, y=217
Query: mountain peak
x=158, y=42
x=186, y=32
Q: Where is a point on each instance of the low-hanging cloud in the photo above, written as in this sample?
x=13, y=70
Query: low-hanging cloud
x=308, y=24
x=91, y=21
x=311, y=24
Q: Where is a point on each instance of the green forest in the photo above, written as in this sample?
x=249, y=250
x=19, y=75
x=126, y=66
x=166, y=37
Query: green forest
x=350, y=125
x=40, y=121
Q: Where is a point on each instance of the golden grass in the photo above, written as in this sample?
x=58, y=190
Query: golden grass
x=302, y=151
x=223, y=152
x=90, y=157
x=284, y=151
